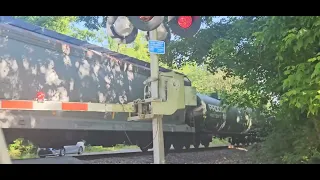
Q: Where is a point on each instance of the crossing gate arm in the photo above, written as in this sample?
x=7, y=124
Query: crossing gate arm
x=173, y=95
x=65, y=106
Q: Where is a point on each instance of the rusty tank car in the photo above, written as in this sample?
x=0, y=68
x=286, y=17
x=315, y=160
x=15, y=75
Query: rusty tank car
x=65, y=69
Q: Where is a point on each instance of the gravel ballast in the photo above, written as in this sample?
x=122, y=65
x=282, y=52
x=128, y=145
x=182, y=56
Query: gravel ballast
x=225, y=156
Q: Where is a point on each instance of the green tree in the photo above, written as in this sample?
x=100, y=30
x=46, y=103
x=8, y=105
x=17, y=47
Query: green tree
x=206, y=82
x=278, y=59
x=61, y=24
x=138, y=49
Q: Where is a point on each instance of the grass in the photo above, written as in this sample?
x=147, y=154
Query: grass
x=105, y=149
x=219, y=142
x=22, y=155
x=28, y=156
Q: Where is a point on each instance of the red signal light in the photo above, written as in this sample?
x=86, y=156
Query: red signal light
x=40, y=96
x=184, y=26
x=185, y=21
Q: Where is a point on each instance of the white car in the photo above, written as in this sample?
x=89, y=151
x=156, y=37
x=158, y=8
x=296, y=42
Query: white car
x=79, y=148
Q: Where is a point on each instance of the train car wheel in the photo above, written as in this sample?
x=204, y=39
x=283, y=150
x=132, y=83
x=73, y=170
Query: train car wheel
x=187, y=146
x=196, y=142
x=178, y=146
x=143, y=149
x=80, y=150
x=167, y=147
x=205, y=141
x=196, y=145
x=231, y=141
x=144, y=145
x=62, y=152
x=167, y=141
x=206, y=144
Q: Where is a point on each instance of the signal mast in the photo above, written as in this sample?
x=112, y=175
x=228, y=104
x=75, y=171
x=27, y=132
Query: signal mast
x=125, y=29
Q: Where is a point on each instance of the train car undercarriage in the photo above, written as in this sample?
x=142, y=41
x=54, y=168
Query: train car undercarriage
x=50, y=138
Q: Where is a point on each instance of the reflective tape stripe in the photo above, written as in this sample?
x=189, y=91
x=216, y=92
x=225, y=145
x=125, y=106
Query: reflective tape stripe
x=64, y=106
x=74, y=107
x=47, y=105
x=16, y=104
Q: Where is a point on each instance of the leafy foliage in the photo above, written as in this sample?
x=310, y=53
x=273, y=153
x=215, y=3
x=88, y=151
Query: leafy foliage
x=138, y=49
x=207, y=83
x=21, y=148
x=62, y=24
x=278, y=59
x=93, y=22
x=59, y=24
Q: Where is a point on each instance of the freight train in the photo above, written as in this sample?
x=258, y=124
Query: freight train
x=65, y=69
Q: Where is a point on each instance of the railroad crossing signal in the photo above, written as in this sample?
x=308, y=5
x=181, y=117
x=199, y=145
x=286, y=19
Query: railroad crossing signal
x=184, y=26
x=121, y=29
x=125, y=28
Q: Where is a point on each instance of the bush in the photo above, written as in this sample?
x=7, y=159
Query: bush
x=22, y=149
x=290, y=142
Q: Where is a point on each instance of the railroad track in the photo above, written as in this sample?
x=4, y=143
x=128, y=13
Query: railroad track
x=139, y=153
x=78, y=159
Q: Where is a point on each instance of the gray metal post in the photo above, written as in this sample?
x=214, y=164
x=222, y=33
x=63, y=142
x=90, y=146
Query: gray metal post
x=4, y=155
x=157, y=129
